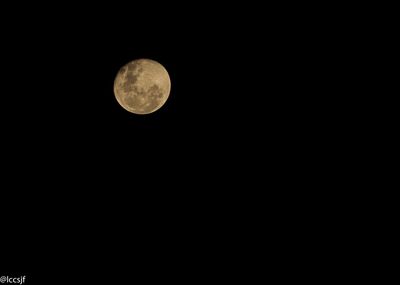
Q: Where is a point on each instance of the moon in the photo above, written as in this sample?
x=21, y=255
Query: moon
x=142, y=86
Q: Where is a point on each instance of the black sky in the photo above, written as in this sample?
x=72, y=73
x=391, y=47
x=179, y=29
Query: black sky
x=245, y=115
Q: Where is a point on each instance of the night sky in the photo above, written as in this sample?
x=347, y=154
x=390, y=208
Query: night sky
x=83, y=177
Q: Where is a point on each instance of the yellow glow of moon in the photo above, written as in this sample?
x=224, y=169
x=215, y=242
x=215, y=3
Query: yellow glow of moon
x=142, y=86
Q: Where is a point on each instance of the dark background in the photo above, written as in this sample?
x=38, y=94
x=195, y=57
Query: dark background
x=89, y=186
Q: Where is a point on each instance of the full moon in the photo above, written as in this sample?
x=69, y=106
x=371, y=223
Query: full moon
x=142, y=86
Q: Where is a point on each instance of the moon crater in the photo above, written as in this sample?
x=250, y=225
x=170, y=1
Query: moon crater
x=142, y=86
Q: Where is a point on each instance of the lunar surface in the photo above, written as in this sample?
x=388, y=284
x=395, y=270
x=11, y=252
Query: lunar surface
x=142, y=86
